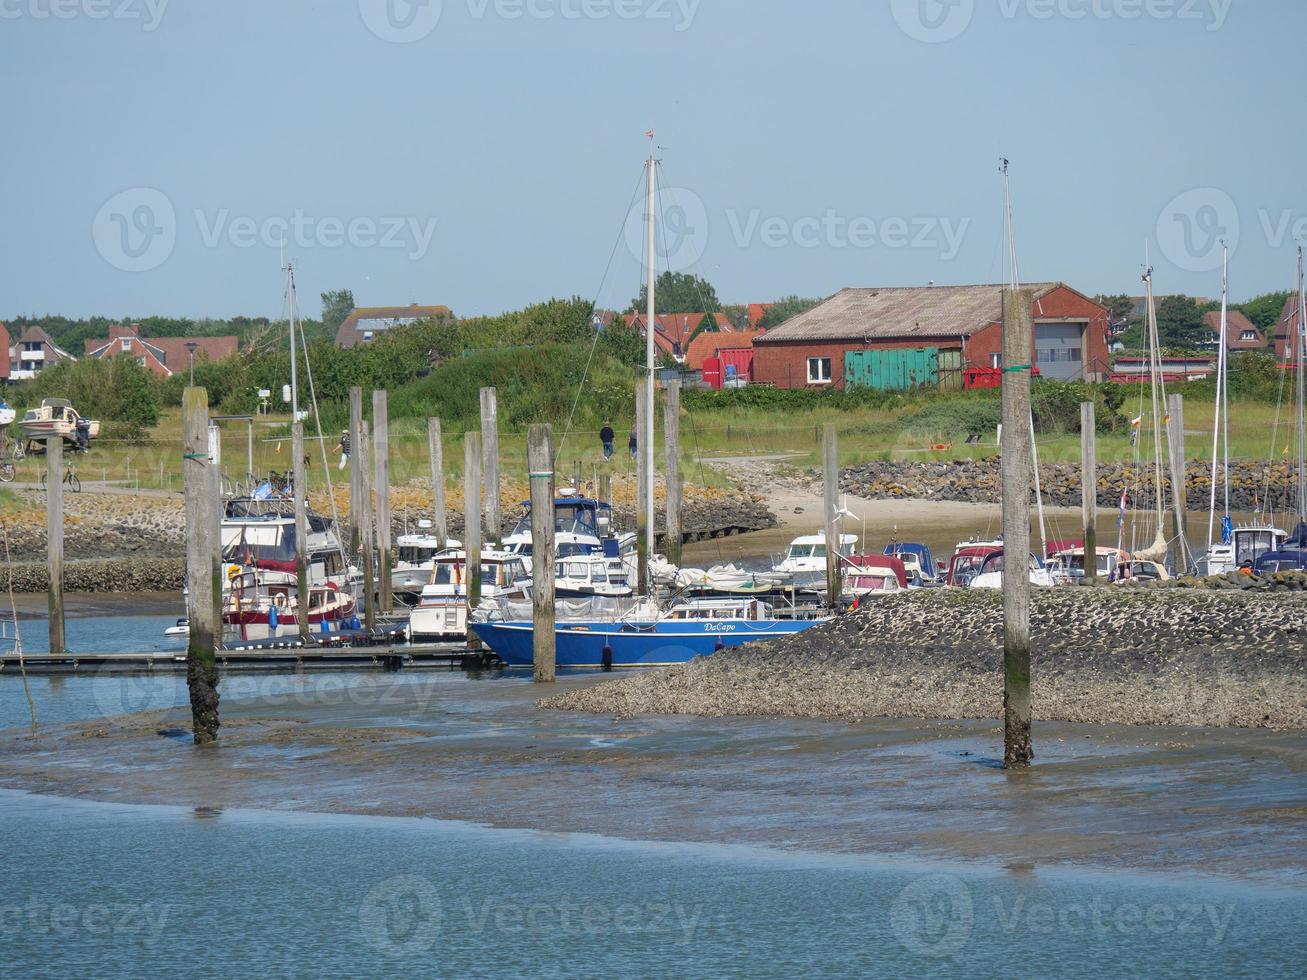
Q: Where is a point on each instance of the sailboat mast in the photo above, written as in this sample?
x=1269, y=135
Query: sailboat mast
x=1220, y=378
x=294, y=377
x=1014, y=282
x=1300, y=346
x=646, y=437
x=1155, y=370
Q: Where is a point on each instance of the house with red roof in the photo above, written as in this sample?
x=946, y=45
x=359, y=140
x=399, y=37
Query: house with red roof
x=1240, y=332
x=33, y=352
x=672, y=331
x=162, y=356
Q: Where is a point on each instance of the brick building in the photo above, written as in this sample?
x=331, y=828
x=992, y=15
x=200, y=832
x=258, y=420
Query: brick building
x=1286, y=330
x=162, y=356
x=903, y=337
x=33, y=352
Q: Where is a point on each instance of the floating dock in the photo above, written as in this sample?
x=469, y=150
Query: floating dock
x=282, y=657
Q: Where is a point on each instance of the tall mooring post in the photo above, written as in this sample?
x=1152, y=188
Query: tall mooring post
x=490, y=454
x=672, y=468
x=830, y=466
x=472, y=529
x=1089, y=489
x=1017, y=338
x=643, y=532
x=381, y=447
x=1179, y=487
x=364, y=449
x=203, y=577
x=299, y=488
x=357, y=461
x=540, y=468
x=436, y=452
x=54, y=523
x=604, y=494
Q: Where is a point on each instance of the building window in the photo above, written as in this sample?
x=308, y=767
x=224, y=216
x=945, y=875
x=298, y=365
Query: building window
x=1247, y=336
x=995, y=361
x=126, y=343
x=819, y=370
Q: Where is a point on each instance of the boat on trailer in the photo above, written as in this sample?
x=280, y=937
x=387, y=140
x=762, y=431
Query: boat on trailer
x=53, y=417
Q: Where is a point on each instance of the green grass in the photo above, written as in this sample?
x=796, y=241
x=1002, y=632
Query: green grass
x=864, y=434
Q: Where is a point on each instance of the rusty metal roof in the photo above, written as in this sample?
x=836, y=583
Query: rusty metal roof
x=899, y=312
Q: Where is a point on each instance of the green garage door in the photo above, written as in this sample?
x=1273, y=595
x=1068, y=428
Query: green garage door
x=891, y=370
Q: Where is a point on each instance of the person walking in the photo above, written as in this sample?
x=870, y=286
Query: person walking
x=631, y=445
x=606, y=436
x=343, y=448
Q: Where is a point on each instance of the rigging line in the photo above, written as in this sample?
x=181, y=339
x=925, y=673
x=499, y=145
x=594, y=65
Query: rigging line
x=18, y=636
x=595, y=341
x=326, y=465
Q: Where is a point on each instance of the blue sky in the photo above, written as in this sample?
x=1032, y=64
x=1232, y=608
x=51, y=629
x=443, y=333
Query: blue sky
x=159, y=150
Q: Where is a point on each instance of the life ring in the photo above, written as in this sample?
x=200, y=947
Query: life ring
x=279, y=600
x=232, y=572
x=942, y=447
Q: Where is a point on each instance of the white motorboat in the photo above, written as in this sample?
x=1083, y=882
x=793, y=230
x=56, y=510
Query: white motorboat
x=415, y=559
x=54, y=417
x=441, y=612
x=804, y=564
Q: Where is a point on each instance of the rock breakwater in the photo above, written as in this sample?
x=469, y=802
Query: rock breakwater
x=1252, y=484
x=1104, y=655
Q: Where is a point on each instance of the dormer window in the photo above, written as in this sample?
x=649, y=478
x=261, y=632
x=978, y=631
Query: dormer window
x=1248, y=336
x=126, y=343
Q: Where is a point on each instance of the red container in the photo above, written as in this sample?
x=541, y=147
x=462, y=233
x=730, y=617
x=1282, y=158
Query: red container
x=712, y=372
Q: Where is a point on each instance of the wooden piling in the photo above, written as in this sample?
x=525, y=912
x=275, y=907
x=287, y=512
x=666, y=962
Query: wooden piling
x=643, y=532
x=830, y=459
x=1017, y=337
x=604, y=493
x=381, y=448
x=54, y=523
x=299, y=490
x=202, y=574
x=1089, y=489
x=364, y=449
x=356, y=463
x=490, y=465
x=1175, y=427
x=672, y=469
x=435, y=449
x=544, y=553
x=472, y=529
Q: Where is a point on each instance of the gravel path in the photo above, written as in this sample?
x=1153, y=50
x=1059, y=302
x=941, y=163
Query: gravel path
x=1142, y=657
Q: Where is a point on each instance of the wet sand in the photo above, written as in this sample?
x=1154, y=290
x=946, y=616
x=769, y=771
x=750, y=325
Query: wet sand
x=1160, y=799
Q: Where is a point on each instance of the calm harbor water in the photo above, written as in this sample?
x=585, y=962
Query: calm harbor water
x=125, y=890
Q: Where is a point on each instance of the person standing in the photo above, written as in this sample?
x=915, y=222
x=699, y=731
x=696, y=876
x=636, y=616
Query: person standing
x=631, y=444
x=343, y=448
x=606, y=436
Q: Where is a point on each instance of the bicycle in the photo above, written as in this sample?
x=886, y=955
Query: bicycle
x=7, y=471
x=70, y=478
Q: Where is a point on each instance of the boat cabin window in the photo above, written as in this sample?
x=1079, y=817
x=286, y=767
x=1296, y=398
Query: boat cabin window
x=874, y=583
x=575, y=570
x=1251, y=545
x=416, y=554
x=331, y=562
x=447, y=573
